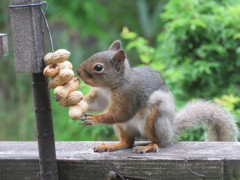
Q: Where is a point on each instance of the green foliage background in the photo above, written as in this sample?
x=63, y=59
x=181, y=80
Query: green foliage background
x=194, y=44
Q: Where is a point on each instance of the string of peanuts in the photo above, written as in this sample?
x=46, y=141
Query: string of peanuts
x=64, y=83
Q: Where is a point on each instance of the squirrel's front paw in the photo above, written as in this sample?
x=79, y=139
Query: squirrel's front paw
x=89, y=119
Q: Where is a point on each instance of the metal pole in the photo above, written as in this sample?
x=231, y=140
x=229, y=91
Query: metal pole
x=46, y=144
x=28, y=44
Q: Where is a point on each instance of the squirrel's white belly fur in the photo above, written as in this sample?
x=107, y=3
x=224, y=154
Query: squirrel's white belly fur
x=136, y=126
x=161, y=100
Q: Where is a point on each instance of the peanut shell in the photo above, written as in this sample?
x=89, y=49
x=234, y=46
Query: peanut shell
x=61, y=92
x=51, y=70
x=61, y=78
x=64, y=103
x=83, y=105
x=65, y=64
x=74, y=97
x=58, y=56
x=75, y=112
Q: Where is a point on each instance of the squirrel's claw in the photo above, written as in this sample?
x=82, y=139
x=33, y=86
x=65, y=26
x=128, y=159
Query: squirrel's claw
x=88, y=120
x=86, y=117
x=87, y=123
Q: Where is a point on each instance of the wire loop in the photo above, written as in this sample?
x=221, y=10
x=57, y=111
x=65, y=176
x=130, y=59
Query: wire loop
x=27, y=5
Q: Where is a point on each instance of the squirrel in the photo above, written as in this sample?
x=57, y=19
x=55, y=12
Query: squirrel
x=137, y=102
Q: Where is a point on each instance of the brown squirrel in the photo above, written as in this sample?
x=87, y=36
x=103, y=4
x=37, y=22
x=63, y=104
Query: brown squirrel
x=139, y=104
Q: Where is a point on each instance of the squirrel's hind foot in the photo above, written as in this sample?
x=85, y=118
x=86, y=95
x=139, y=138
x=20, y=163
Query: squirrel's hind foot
x=107, y=148
x=152, y=147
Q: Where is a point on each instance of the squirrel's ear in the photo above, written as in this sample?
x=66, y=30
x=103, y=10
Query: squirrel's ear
x=118, y=59
x=116, y=45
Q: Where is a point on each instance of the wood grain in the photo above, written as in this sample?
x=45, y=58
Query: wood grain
x=76, y=160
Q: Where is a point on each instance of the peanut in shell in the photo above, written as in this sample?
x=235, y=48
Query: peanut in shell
x=58, y=56
x=64, y=103
x=62, y=92
x=64, y=76
x=73, y=99
x=65, y=64
x=76, y=111
x=51, y=70
x=83, y=105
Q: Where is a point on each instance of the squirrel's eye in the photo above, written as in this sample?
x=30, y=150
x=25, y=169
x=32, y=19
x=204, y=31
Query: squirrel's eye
x=98, y=67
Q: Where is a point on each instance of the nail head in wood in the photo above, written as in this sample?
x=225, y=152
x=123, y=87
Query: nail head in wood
x=3, y=44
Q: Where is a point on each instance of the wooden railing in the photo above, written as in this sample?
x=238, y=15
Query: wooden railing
x=76, y=161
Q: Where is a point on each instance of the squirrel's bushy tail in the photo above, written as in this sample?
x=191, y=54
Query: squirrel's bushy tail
x=219, y=122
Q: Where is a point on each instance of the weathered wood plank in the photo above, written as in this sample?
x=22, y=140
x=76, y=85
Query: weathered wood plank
x=19, y=169
x=3, y=44
x=76, y=160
